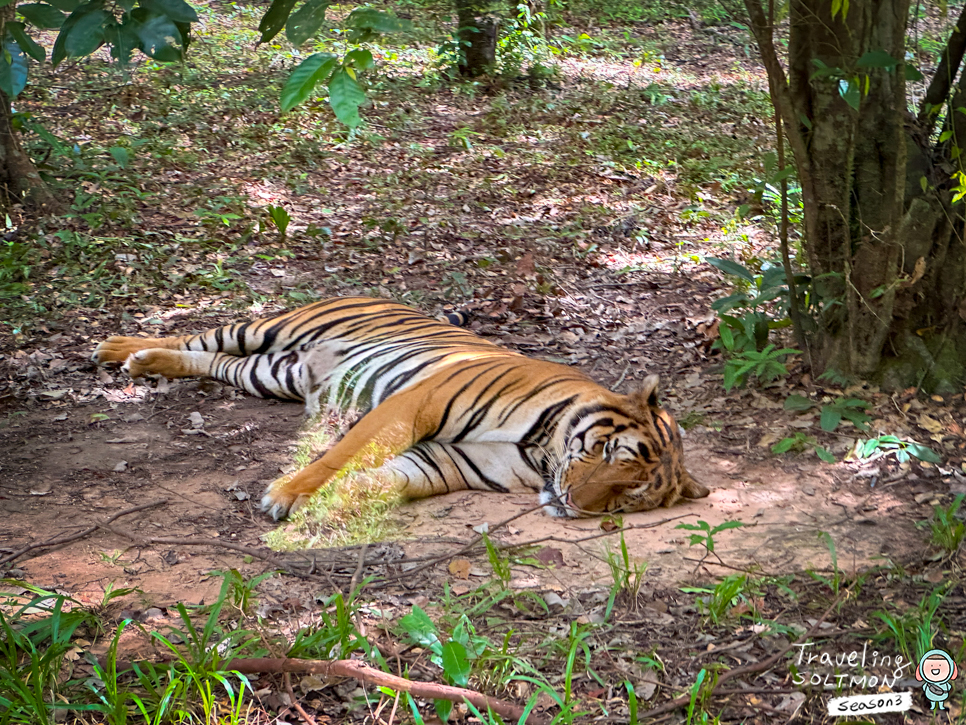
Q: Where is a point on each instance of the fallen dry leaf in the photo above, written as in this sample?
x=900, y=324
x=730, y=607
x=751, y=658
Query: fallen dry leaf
x=548, y=556
x=460, y=568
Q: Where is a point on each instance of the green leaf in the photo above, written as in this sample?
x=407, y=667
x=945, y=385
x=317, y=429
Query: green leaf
x=13, y=69
x=783, y=446
x=42, y=15
x=177, y=10
x=302, y=82
x=868, y=448
x=123, y=40
x=360, y=59
x=87, y=34
x=733, y=268
x=824, y=454
x=306, y=21
x=367, y=18
x=456, y=665
x=443, y=709
x=857, y=418
x=912, y=73
x=274, y=20
x=727, y=338
x=59, y=51
x=923, y=453
x=849, y=90
x=159, y=36
x=345, y=97
x=68, y=6
x=25, y=42
x=702, y=525
x=877, y=59
x=797, y=402
x=419, y=627
x=831, y=418
x=121, y=156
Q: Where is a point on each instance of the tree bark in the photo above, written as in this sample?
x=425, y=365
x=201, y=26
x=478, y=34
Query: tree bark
x=19, y=180
x=477, y=35
x=888, y=248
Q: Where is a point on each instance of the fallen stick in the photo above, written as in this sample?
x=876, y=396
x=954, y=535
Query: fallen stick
x=361, y=671
x=80, y=535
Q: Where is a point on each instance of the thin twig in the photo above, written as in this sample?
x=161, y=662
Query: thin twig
x=80, y=535
x=357, y=574
x=295, y=702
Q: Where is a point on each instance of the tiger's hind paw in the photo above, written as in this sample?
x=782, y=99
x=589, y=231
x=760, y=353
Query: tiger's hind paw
x=119, y=348
x=169, y=363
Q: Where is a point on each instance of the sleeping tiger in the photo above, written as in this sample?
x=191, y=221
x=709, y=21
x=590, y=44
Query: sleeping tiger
x=448, y=409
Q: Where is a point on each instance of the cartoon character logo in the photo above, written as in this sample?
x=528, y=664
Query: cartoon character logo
x=936, y=670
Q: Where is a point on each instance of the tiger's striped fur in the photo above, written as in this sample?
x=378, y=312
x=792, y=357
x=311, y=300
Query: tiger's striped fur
x=455, y=411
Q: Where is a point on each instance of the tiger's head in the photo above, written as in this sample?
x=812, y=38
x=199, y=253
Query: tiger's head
x=620, y=454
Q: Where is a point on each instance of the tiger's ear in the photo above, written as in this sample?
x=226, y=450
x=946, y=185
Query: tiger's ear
x=646, y=396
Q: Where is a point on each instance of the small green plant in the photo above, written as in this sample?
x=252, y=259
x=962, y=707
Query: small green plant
x=454, y=656
x=35, y=637
x=850, y=409
x=799, y=442
x=280, y=219
x=462, y=138
x=947, y=527
x=691, y=420
x=523, y=43
x=203, y=652
x=766, y=365
x=835, y=582
x=719, y=601
x=335, y=636
x=499, y=561
x=627, y=574
x=241, y=590
x=889, y=444
x=631, y=703
x=913, y=630
x=706, y=538
x=695, y=692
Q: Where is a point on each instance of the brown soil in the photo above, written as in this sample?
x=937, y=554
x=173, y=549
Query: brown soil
x=89, y=444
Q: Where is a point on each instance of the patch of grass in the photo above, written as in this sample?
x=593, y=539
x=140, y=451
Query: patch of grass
x=913, y=630
x=354, y=507
x=947, y=528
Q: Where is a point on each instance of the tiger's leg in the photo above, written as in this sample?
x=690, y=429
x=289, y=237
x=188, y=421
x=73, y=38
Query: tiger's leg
x=286, y=331
x=275, y=375
x=430, y=468
x=118, y=348
x=391, y=427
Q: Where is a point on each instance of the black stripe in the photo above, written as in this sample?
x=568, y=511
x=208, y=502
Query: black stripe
x=490, y=483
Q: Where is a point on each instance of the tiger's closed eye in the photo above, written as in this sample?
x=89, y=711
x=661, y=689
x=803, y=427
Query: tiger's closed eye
x=610, y=448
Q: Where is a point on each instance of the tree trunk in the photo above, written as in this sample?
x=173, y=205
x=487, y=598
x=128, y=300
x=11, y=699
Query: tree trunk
x=884, y=246
x=19, y=180
x=477, y=35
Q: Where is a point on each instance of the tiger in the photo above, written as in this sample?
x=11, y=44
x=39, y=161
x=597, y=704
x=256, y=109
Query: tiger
x=446, y=409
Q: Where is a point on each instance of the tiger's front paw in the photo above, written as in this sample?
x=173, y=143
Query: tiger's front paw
x=280, y=501
x=119, y=349
x=169, y=363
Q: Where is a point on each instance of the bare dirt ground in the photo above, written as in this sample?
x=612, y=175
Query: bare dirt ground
x=90, y=444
